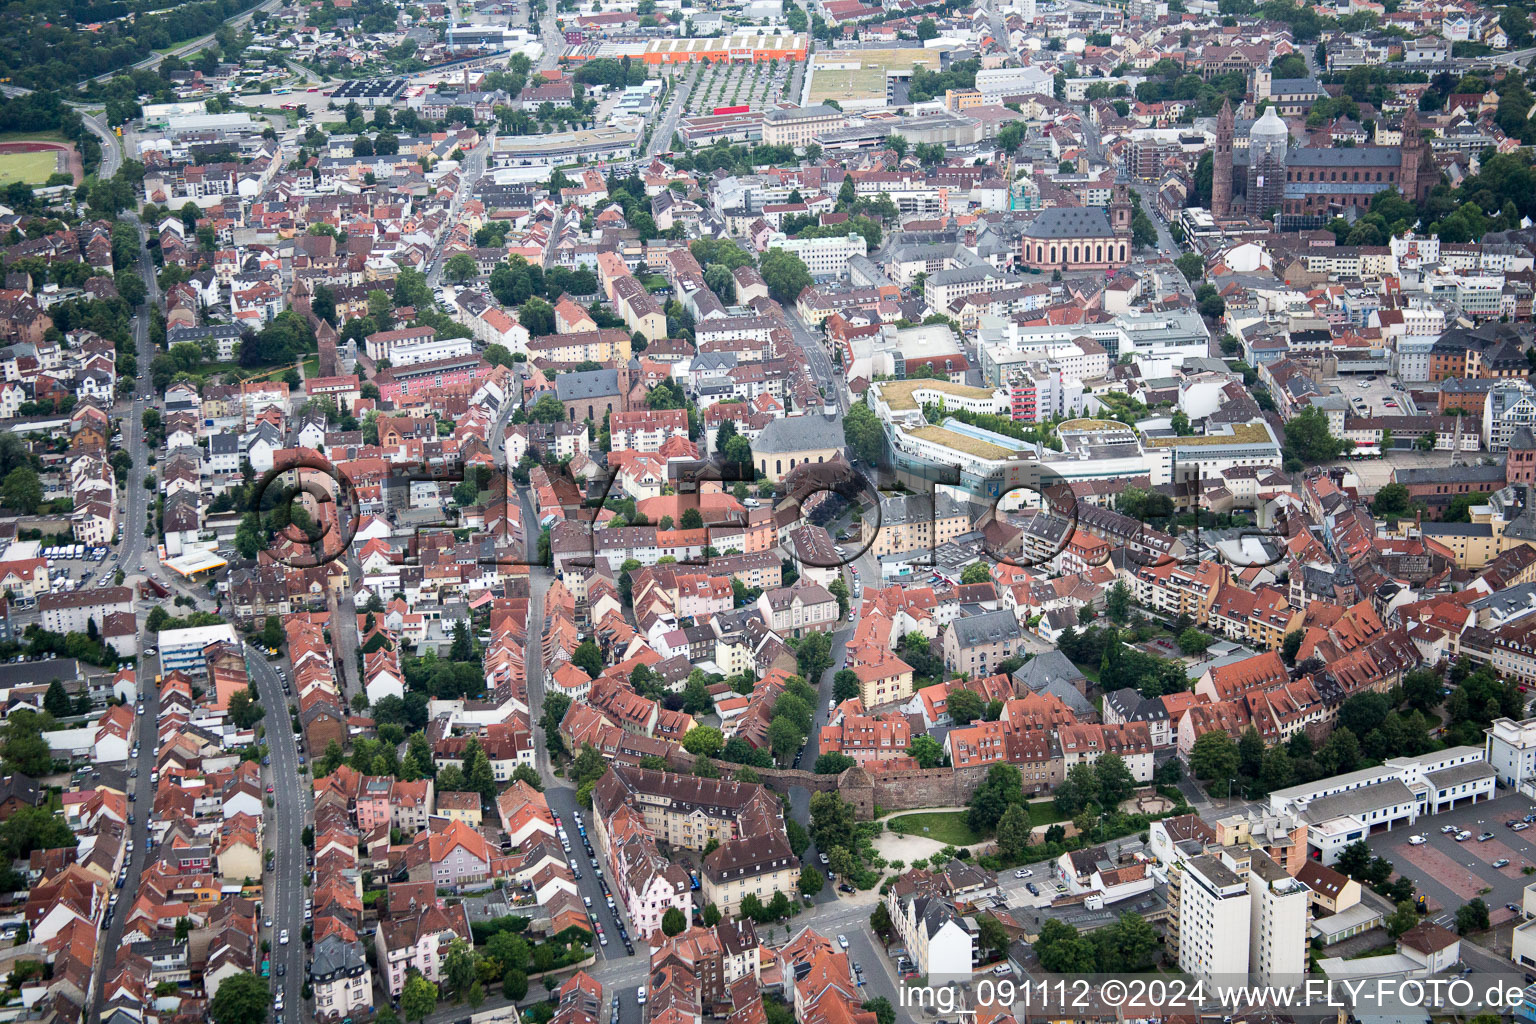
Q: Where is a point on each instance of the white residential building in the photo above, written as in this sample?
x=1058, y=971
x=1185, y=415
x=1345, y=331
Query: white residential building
x=823, y=256
x=1511, y=752
x=1215, y=913
x=940, y=942
x=1277, y=934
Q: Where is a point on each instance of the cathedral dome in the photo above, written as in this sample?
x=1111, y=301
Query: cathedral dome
x=1269, y=131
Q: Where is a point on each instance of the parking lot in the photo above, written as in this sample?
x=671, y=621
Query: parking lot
x=731, y=85
x=1450, y=873
x=1370, y=397
x=74, y=567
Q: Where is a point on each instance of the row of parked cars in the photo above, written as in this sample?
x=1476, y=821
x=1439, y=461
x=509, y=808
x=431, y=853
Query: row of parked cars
x=597, y=871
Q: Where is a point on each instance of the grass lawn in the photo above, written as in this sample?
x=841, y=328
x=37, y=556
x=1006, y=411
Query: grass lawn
x=311, y=367
x=32, y=137
x=1044, y=812
x=1387, y=950
x=32, y=168
x=942, y=826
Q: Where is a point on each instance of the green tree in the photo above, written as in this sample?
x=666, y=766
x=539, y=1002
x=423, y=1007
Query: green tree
x=21, y=490
x=926, y=750
x=785, y=274
x=696, y=696
x=1290, y=644
x=418, y=998
x=589, y=765
x=703, y=741
x=832, y=821
x=1401, y=919
x=1421, y=689
x=1214, y=759
x=1002, y=788
x=976, y=572
x=588, y=658
x=673, y=922
x=460, y=268
x=881, y=1007
x=241, y=999
x=1116, y=783
x=479, y=777
x=784, y=737
x=1308, y=441
x=1472, y=916
x=1117, y=604
x=811, y=881
x=23, y=747
x=1128, y=946
x=1079, y=789
x=56, y=701
x=1192, y=641
x=863, y=434
x=1392, y=501
x=991, y=934
x=33, y=828
x=833, y=762
x=965, y=706
x=1014, y=831
x=1191, y=266
x=459, y=968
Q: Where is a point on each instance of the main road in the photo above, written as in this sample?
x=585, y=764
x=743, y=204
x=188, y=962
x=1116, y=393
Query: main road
x=131, y=548
x=292, y=798
x=470, y=170
x=822, y=371
x=661, y=138
x=154, y=60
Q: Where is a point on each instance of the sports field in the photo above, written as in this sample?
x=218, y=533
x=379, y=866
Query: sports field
x=32, y=168
x=832, y=80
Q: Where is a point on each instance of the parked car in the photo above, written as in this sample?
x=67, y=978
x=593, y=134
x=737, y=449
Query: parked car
x=1023, y=873
x=1416, y=840
x=1485, y=837
x=1502, y=862
x=1463, y=836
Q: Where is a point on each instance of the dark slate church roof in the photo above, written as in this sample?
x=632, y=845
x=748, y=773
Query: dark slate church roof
x=1345, y=156
x=1070, y=222
x=571, y=387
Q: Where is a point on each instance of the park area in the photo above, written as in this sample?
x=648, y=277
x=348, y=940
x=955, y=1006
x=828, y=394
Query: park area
x=949, y=826
x=34, y=162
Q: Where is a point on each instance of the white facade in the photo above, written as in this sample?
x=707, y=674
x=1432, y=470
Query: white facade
x=1277, y=935
x=427, y=351
x=183, y=648
x=1215, y=910
x=824, y=256
x=995, y=84
x=1511, y=752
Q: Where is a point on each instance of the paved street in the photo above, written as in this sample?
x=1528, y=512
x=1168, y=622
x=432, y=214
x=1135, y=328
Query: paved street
x=823, y=372
x=469, y=173
x=294, y=799
x=661, y=139
x=562, y=800
x=154, y=60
